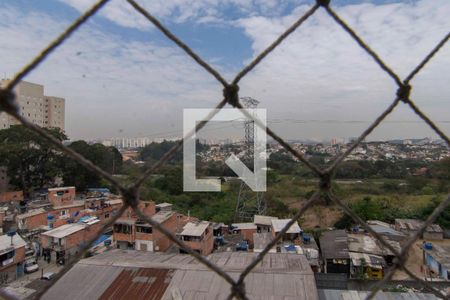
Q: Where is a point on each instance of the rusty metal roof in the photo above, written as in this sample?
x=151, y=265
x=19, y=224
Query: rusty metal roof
x=145, y=283
x=119, y=274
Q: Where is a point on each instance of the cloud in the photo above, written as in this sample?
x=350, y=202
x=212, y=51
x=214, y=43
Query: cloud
x=313, y=82
x=181, y=11
x=111, y=85
x=320, y=72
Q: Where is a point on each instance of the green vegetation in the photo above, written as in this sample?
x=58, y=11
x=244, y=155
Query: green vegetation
x=33, y=163
x=381, y=190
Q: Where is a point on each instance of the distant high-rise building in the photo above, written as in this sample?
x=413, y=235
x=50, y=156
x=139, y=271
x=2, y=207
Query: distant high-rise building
x=42, y=110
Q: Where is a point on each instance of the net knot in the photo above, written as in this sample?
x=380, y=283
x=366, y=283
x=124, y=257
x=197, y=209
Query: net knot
x=403, y=92
x=8, y=103
x=131, y=197
x=238, y=289
x=230, y=92
x=323, y=2
x=325, y=182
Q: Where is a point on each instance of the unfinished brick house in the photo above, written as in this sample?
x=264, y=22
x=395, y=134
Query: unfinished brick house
x=198, y=236
x=61, y=195
x=12, y=255
x=67, y=239
x=131, y=233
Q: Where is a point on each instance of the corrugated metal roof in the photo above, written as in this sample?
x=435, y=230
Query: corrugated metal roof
x=370, y=260
x=83, y=282
x=334, y=244
x=139, y=284
x=361, y=295
x=65, y=230
x=414, y=225
x=241, y=226
x=385, y=230
x=144, y=275
x=363, y=243
x=278, y=225
x=440, y=253
x=194, y=229
x=263, y=220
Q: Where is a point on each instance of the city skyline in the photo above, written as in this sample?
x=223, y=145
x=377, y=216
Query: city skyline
x=122, y=78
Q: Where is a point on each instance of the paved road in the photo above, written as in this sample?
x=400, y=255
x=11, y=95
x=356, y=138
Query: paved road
x=19, y=287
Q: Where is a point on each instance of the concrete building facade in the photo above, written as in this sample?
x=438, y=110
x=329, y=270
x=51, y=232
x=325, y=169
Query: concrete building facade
x=42, y=110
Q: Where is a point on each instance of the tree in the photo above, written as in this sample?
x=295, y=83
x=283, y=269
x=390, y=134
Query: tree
x=444, y=217
x=107, y=158
x=366, y=209
x=172, y=181
x=31, y=161
x=155, y=151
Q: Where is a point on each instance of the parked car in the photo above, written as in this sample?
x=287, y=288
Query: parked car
x=31, y=266
x=48, y=276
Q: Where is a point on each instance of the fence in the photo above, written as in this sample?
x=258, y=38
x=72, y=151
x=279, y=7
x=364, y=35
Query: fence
x=231, y=96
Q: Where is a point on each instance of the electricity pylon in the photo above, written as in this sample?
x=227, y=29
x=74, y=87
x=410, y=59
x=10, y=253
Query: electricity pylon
x=249, y=203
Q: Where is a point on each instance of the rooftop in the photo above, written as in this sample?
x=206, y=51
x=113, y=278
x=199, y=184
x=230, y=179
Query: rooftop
x=60, y=188
x=373, y=261
x=261, y=240
x=147, y=275
x=5, y=243
x=364, y=244
x=126, y=220
x=241, y=226
x=30, y=213
x=381, y=295
x=164, y=204
x=75, y=203
x=162, y=216
x=64, y=230
x=441, y=253
x=263, y=220
x=388, y=231
x=114, y=201
x=414, y=225
x=195, y=229
x=278, y=225
x=334, y=244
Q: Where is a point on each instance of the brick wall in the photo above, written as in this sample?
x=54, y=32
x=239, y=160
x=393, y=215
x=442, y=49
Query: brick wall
x=160, y=240
x=206, y=245
x=35, y=221
x=11, y=196
x=247, y=234
x=61, y=196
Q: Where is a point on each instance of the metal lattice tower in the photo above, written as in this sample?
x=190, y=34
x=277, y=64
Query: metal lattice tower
x=249, y=203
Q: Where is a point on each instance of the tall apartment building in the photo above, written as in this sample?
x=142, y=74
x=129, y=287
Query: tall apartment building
x=45, y=111
x=129, y=143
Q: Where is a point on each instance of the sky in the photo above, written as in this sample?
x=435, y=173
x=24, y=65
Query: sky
x=122, y=78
